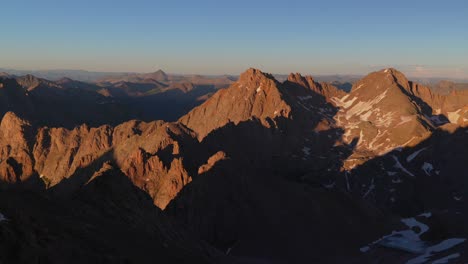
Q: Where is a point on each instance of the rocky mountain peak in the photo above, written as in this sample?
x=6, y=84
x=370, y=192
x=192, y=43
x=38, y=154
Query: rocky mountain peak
x=255, y=75
x=158, y=75
x=255, y=95
x=11, y=122
x=305, y=81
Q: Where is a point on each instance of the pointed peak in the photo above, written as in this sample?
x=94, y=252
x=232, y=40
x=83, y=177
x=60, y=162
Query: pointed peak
x=159, y=72
x=389, y=74
x=391, y=71
x=158, y=75
x=253, y=74
x=293, y=77
x=299, y=79
x=394, y=72
x=10, y=119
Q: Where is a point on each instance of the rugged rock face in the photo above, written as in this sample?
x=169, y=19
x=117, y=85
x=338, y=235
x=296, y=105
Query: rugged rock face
x=263, y=170
x=15, y=140
x=148, y=153
x=444, y=108
x=254, y=95
x=382, y=115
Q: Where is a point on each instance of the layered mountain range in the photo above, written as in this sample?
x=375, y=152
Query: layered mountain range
x=258, y=171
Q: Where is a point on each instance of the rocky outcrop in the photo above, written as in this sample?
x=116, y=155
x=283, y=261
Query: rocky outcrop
x=148, y=153
x=381, y=115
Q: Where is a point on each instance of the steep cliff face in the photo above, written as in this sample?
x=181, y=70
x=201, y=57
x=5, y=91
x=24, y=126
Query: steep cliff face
x=260, y=167
x=446, y=108
x=381, y=115
x=254, y=95
x=148, y=153
x=16, y=142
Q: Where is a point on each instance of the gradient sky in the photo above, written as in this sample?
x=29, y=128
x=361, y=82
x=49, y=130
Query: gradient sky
x=422, y=38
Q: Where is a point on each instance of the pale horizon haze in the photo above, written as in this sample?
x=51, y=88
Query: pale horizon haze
x=420, y=38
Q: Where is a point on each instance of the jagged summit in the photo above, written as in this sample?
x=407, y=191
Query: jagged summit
x=381, y=80
x=255, y=74
x=306, y=81
x=255, y=94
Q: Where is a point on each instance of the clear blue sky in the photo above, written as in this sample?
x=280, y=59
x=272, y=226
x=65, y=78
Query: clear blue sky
x=208, y=36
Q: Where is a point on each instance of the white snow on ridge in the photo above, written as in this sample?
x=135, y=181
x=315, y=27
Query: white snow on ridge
x=341, y=102
x=259, y=89
x=412, y=156
x=362, y=107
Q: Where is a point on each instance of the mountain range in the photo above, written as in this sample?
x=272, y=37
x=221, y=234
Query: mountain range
x=249, y=169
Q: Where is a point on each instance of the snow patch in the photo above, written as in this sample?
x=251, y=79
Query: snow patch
x=303, y=98
x=3, y=218
x=259, y=89
x=453, y=116
x=407, y=240
x=362, y=107
x=427, y=168
x=404, y=119
x=409, y=141
x=365, y=117
x=306, y=151
x=446, y=259
x=396, y=181
x=371, y=188
x=442, y=246
x=359, y=87
x=412, y=156
x=399, y=166
x=347, y=181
